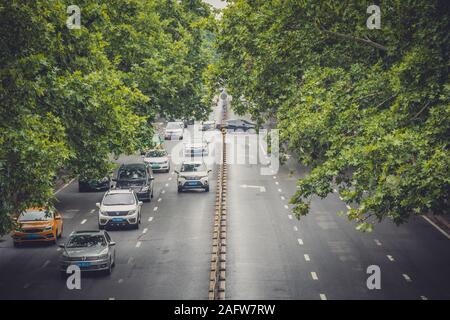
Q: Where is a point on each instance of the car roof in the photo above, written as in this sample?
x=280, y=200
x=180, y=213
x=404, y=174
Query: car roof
x=115, y=191
x=193, y=162
x=132, y=165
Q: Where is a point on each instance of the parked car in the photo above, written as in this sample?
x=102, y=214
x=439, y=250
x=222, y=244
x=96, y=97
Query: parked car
x=138, y=177
x=174, y=130
x=158, y=159
x=208, y=125
x=89, y=250
x=38, y=225
x=193, y=175
x=119, y=208
x=86, y=184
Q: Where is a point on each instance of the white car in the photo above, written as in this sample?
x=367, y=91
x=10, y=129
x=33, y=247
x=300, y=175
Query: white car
x=158, y=159
x=119, y=208
x=174, y=130
x=193, y=175
x=196, y=149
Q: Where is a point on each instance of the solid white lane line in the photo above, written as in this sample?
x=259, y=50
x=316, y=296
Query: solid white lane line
x=306, y=257
x=314, y=275
x=150, y=219
x=391, y=258
x=295, y=228
x=407, y=278
x=290, y=216
x=377, y=242
x=437, y=227
x=155, y=208
x=138, y=244
x=283, y=198
x=64, y=186
x=84, y=221
x=145, y=231
x=300, y=241
x=323, y=296
x=159, y=200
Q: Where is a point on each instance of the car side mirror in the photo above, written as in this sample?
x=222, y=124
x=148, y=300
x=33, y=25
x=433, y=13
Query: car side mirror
x=112, y=243
x=97, y=204
x=62, y=245
x=140, y=203
x=152, y=178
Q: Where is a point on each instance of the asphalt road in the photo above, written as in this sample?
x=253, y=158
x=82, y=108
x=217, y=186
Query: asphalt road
x=270, y=254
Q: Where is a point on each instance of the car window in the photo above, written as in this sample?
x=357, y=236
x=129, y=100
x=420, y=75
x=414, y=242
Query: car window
x=193, y=167
x=173, y=126
x=156, y=153
x=35, y=215
x=132, y=173
x=118, y=199
x=86, y=241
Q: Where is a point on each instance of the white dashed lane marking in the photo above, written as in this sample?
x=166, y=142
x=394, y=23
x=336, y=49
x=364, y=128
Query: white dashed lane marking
x=290, y=216
x=92, y=211
x=306, y=257
x=164, y=191
x=166, y=184
x=145, y=231
x=159, y=200
x=323, y=296
x=377, y=242
x=286, y=206
x=423, y=298
x=283, y=198
x=120, y=281
x=300, y=241
x=279, y=190
x=277, y=183
x=155, y=208
x=391, y=258
x=407, y=278
x=170, y=178
x=295, y=228
x=150, y=219
x=348, y=207
x=46, y=263
x=138, y=244
x=314, y=275
x=84, y=221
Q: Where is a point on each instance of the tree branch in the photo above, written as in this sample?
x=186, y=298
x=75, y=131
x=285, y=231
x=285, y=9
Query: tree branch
x=349, y=37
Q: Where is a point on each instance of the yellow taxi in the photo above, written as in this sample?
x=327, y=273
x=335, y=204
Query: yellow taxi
x=38, y=224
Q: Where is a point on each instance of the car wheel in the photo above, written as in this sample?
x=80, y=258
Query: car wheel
x=180, y=189
x=114, y=261
x=60, y=233
x=109, y=270
x=207, y=189
x=55, y=241
x=136, y=226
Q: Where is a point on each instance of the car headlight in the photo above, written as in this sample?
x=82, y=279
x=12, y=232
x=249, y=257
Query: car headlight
x=103, y=257
x=182, y=177
x=144, y=189
x=131, y=212
x=102, y=213
x=48, y=228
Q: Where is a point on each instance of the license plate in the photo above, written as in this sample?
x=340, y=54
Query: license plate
x=193, y=183
x=118, y=219
x=84, y=264
x=155, y=166
x=32, y=236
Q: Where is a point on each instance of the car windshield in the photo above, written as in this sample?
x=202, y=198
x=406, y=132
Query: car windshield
x=156, y=154
x=132, y=173
x=118, y=199
x=86, y=241
x=193, y=167
x=35, y=215
x=173, y=125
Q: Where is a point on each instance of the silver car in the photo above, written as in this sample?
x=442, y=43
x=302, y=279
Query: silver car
x=89, y=250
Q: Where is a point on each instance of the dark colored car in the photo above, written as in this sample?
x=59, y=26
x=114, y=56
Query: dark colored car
x=138, y=177
x=239, y=125
x=85, y=184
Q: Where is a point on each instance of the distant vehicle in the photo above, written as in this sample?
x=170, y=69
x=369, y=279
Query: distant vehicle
x=158, y=159
x=138, y=177
x=239, y=125
x=86, y=184
x=89, y=250
x=38, y=225
x=193, y=175
x=208, y=125
x=196, y=149
x=174, y=131
x=119, y=208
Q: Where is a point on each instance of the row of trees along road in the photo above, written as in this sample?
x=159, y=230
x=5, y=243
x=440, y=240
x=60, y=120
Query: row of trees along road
x=367, y=110
x=71, y=97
